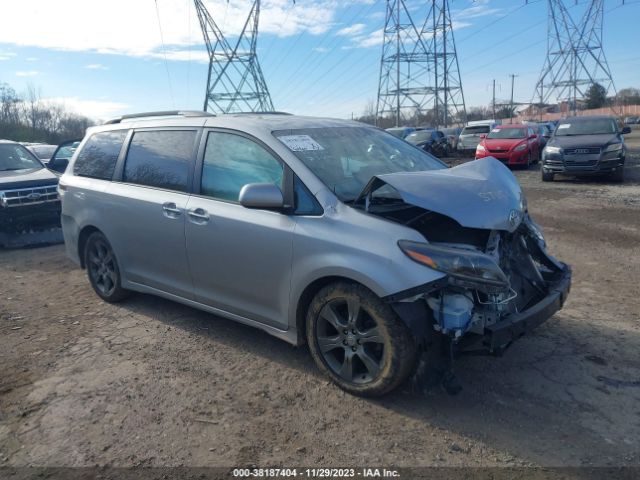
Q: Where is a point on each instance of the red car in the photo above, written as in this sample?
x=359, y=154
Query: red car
x=516, y=145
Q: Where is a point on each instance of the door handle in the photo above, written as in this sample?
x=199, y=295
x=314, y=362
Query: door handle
x=198, y=215
x=171, y=210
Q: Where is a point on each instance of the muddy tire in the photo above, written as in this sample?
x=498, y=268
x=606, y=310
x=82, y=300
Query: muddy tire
x=102, y=269
x=547, y=176
x=358, y=340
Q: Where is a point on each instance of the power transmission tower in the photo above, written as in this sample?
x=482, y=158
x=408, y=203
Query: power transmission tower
x=575, y=57
x=235, y=82
x=419, y=66
x=449, y=96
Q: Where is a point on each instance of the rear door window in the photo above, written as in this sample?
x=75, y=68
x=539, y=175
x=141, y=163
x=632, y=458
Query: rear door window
x=233, y=161
x=160, y=158
x=99, y=155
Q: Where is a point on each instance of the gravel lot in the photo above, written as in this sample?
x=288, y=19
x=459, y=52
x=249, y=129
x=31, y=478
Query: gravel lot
x=150, y=382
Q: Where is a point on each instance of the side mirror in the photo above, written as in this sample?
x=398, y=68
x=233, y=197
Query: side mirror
x=626, y=130
x=483, y=136
x=266, y=196
x=62, y=155
x=533, y=137
x=58, y=164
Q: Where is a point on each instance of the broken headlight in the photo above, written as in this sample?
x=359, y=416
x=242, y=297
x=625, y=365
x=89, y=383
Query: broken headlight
x=465, y=268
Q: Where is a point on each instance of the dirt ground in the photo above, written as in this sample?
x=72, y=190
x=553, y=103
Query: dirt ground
x=154, y=383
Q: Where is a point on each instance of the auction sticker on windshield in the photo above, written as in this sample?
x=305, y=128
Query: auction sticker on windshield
x=563, y=126
x=300, y=143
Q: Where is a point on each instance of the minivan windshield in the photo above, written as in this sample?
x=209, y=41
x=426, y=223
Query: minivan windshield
x=346, y=158
x=475, y=130
x=15, y=157
x=594, y=126
x=507, y=133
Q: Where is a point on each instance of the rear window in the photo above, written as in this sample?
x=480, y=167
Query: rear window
x=99, y=156
x=475, y=130
x=160, y=159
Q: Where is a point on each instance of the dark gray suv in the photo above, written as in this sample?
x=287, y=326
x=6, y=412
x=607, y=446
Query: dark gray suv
x=582, y=146
x=318, y=231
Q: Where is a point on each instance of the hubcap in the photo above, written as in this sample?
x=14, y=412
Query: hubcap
x=349, y=341
x=102, y=267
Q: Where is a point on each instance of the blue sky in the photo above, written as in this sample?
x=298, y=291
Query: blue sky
x=319, y=57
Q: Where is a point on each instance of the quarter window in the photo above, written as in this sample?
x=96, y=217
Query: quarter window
x=160, y=158
x=99, y=155
x=232, y=161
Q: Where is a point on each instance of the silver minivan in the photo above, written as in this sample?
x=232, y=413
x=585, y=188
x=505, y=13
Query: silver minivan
x=326, y=232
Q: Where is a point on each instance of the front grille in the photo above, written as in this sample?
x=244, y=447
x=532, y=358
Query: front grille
x=498, y=150
x=582, y=151
x=28, y=196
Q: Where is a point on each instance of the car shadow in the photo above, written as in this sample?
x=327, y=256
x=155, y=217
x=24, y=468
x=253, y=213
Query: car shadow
x=559, y=396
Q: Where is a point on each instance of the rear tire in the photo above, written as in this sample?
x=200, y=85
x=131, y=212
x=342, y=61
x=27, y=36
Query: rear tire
x=358, y=340
x=547, y=176
x=102, y=269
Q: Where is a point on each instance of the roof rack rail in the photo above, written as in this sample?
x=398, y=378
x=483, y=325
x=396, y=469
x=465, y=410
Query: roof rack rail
x=260, y=113
x=167, y=113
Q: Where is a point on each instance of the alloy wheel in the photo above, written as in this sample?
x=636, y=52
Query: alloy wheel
x=349, y=341
x=102, y=267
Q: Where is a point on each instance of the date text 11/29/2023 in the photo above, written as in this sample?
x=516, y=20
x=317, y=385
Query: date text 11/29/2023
x=315, y=473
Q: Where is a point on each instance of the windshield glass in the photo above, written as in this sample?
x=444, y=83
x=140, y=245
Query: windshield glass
x=345, y=158
x=595, y=126
x=16, y=157
x=44, y=152
x=475, y=130
x=507, y=133
x=417, y=137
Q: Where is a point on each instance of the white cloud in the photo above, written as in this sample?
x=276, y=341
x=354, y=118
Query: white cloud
x=27, y=73
x=373, y=39
x=6, y=55
x=96, y=109
x=131, y=27
x=353, y=30
x=96, y=66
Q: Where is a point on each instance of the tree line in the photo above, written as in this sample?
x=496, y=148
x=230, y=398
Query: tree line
x=28, y=117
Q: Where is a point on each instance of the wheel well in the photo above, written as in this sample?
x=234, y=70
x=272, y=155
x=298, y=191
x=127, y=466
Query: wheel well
x=82, y=240
x=305, y=299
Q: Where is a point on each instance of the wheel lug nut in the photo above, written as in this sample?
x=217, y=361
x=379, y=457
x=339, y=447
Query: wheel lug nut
x=346, y=332
x=353, y=349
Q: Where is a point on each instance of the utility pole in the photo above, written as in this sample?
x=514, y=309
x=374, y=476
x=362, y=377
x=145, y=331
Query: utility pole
x=511, y=112
x=235, y=82
x=575, y=56
x=493, y=103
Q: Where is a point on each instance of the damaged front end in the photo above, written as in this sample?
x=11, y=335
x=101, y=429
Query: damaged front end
x=498, y=280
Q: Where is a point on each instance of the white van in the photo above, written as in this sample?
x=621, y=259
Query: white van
x=470, y=135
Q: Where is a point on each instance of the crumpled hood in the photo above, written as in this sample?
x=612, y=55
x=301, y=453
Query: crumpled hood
x=478, y=194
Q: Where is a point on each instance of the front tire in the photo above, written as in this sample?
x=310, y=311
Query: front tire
x=358, y=340
x=102, y=269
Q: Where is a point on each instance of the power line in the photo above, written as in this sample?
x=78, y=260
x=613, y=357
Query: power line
x=164, y=53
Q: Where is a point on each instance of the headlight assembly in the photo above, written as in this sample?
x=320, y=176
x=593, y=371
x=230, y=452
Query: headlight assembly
x=466, y=268
x=552, y=150
x=480, y=148
x=614, y=147
x=521, y=147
